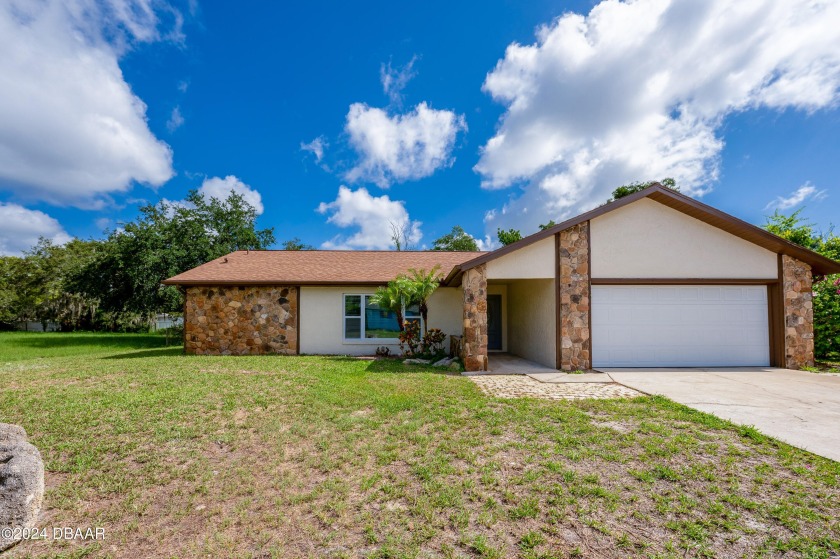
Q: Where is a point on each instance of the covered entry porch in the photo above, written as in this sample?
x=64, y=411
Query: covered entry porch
x=531, y=302
x=521, y=321
x=505, y=319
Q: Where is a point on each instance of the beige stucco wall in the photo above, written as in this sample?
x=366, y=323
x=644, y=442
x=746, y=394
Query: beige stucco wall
x=533, y=261
x=531, y=320
x=501, y=289
x=321, y=320
x=446, y=311
x=646, y=239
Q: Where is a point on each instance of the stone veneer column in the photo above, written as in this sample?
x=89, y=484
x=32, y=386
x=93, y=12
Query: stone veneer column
x=474, y=341
x=241, y=320
x=574, y=293
x=798, y=312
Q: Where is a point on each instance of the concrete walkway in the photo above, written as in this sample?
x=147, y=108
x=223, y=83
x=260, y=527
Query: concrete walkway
x=507, y=364
x=800, y=408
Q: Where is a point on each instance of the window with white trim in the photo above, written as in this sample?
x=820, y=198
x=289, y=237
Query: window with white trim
x=412, y=314
x=364, y=320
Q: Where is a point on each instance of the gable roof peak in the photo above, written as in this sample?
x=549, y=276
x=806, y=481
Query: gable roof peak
x=685, y=204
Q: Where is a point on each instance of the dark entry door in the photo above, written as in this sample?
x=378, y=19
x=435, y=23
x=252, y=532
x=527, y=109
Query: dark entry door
x=494, y=322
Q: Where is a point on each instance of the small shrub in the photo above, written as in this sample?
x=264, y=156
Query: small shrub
x=410, y=340
x=433, y=341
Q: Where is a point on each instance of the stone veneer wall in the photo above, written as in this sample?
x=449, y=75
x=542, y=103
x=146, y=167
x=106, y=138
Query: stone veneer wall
x=798, y=312
x=241, y=320
x=474, y=340
x=574, y=293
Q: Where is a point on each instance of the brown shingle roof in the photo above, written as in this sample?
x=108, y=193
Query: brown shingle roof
x=315, y=267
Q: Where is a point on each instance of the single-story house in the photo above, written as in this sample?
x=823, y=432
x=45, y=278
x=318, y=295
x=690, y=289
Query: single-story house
x=654, y=279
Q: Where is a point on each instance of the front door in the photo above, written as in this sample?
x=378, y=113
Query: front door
x=494, y=322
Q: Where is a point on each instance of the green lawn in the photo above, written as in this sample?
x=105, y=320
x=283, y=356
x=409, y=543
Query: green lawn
x=337, y=457
x=20, y=346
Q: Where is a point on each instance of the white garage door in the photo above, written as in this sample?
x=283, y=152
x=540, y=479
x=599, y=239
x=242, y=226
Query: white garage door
x=679, y=326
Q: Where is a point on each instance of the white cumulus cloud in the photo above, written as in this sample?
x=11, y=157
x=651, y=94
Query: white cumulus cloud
x=488, y=243
x=805, y=192
x=21, y=227
x=220, y=188
x=375, y=217
x=638, y=91
x=400, y=147
x=71, y=128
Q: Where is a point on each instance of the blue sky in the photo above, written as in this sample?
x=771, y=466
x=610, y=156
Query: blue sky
x=485, y=115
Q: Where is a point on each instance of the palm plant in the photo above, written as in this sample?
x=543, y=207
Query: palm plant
x=423, y=284
x=392, y=297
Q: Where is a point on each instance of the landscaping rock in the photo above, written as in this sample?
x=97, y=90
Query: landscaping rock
x=416, y=362
x=443, y=362
x=21, y=483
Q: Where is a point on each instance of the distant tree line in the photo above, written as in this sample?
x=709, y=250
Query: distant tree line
x=115, y=283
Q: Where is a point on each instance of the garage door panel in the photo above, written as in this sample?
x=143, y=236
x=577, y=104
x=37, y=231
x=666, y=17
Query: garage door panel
x=756, y=315
x=689, y=293
x=689, y=326
x=671, y=313
x=734, y=295
x=645, y=296
x=639, y=315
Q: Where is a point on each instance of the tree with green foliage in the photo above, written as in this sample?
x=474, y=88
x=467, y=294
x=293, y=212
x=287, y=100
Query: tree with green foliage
x=549, y=225
x=456, y=240
x=509, y=236
x=826, y=290
x=296, y=244
x=795, y=229
x=34, y=287
x=633, y=187
x=421, y=286
x=11, y=310
x=49, y=270
x=165, y=240
x=413, y=288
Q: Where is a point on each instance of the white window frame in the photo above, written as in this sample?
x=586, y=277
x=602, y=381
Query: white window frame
x=363, y=339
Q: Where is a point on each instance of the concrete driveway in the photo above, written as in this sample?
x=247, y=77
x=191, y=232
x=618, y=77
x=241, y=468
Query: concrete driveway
x=800, y=408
